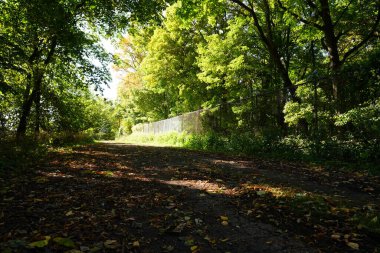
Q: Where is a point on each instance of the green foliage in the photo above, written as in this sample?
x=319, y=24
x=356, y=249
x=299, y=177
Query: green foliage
x=166, y=139
x=18, y=158
x=314, y=106
x=293, y=147
x=364, y=119
x=51, y=55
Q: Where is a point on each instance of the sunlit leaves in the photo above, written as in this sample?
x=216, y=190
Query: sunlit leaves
x=41, y=243
x=66, y=242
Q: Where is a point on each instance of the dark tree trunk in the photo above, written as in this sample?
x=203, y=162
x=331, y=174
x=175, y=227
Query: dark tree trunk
x=271, y=46
x=25, y=111
x=37, y=103
x=36, y=93
x=26, y=108
x=280, y=112
x=331, y=41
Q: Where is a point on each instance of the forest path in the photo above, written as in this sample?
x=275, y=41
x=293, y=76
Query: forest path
x=112, y=197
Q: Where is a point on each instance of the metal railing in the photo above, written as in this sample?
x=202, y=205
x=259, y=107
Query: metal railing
x=188, y=122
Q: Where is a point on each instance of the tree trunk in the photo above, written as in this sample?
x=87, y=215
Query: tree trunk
x=25, y=111
x=271, y=46
x=280, y=113
x=26, y=108
x=332, y=47
x=37, y=103
x=36, y=93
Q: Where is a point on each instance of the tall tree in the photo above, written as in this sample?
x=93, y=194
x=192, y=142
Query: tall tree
x=347, y=27
x=36, y=34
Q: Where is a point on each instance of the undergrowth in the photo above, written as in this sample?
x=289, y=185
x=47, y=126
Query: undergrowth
x=352, y=155
x=18, y=157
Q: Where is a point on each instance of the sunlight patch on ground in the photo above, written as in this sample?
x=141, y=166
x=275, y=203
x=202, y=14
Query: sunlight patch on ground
x=275, y=191
x=203, y=185
x=42, y=179
x=240, y=164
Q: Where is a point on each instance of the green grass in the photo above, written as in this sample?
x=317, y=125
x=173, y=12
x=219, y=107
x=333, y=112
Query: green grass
x=335, y=153
x=19, y=157
x=169, y=139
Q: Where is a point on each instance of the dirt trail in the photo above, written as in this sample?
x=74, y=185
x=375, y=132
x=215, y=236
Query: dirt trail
x=113, y=197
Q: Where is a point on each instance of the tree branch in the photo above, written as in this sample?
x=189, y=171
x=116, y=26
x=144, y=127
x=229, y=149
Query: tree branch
x=298, y=17
x=50, y=55
x=342, y=13
x=311, y=4
x=369, y=36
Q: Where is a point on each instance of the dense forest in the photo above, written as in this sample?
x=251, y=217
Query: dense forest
x=285, y=95
x=303, y=74
x=52, y=60
x=279, y=72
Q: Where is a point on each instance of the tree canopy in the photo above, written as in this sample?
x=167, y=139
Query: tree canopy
x=274, y=64
x=282, y=67
x=51, y=51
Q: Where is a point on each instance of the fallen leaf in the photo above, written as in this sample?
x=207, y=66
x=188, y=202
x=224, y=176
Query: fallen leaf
x=212, y=241
x=136, y=244
x=111, y=244
x=40, y=244
x=67, y=242
x=224, y=218
x=69, y=213
x=225, y=223
x=167, y=248
x=194, y=248
x=189, y=242
x=353, y=245
x=368, y=189
x=179, y=228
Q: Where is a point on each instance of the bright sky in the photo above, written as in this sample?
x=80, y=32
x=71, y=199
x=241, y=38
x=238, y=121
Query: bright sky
x=111, y=92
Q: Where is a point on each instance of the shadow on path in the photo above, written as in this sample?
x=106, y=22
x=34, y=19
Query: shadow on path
x=113, y=197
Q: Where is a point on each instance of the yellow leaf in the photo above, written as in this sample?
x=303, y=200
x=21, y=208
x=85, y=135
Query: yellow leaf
x=194, y=248
x=111, y=244
x=67, y=242
x=40, y=244
x=225, y=218
x=353, y=245
x=136, y=244
x=69, y=213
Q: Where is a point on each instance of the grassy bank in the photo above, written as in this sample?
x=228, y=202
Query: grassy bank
x=349, y=154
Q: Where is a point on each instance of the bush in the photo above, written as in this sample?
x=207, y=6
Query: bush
x=170, y=139
x=294, y=147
